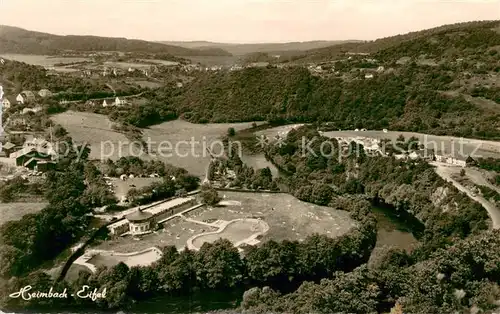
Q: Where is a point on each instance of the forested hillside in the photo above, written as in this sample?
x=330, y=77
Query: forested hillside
x=18, y=40
x=447, y=85
x=479, y=30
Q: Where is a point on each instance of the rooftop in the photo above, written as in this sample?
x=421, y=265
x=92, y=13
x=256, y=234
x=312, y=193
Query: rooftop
x=139, y=216
x=167, y=205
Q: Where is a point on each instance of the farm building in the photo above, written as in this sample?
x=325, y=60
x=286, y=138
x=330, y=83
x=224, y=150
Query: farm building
x=45, y=93
x=8, y=148
x=143, y=220
x=451, y=160
x=29, y=157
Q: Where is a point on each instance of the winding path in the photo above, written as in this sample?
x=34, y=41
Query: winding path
x=494, y=212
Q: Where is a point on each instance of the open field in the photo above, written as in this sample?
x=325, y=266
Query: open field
x=126, y=65
x=214, y=60
x=187, y=142
x=279, y=130
x=176, y=232
x=287, y=217
x=460, y=147
x=180, y=134
x=95, y=130
x=237, y=231
x=15, y=211
x=41, y=60
x=121, y=187
x=162, y=62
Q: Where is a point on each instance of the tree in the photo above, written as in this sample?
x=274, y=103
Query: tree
x=231, y=132
x=462, y=172
x=210, y=196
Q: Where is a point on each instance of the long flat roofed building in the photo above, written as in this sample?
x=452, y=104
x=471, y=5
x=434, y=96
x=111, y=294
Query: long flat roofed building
x=137, y=221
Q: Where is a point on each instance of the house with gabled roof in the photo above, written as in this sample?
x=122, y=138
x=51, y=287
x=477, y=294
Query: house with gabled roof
x=25, y=97
x=5, y=104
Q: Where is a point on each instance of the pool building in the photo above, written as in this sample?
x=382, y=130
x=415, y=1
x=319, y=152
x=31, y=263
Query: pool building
x=142, y=221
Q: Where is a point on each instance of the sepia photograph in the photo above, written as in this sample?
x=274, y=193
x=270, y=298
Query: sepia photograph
x=250, y=156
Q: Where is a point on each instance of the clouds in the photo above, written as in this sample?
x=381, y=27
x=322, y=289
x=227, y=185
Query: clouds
x=242, y=20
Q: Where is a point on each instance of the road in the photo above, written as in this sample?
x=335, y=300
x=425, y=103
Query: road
x=446, y=172
x=443, y=145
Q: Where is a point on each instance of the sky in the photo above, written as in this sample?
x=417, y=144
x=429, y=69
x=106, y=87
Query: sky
x=241, y=21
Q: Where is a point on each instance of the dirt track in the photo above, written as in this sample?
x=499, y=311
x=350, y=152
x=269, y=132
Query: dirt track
x=446, y=172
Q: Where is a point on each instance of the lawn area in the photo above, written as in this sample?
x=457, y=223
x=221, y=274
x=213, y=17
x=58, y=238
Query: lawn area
x=287, y=217
x=15, y=211
x=95, y=130
x=188, y=141
x=121, y=187
x=176, y=232
x=180, y=134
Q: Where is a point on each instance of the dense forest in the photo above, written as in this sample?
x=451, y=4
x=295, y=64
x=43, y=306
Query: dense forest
x=439, y=89
x=481, y=28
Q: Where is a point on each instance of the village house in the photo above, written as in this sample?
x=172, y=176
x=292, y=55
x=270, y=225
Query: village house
x=368, y=76
x=5, y=104
x=8, y=148
x=119, y=102
x=44, y=93
x=461, y=162
x=25, y=97
x=37, y=143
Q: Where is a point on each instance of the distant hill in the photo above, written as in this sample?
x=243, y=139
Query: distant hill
x=243, y=49
x=334, y=51
x=18, y=40
x=443, y=81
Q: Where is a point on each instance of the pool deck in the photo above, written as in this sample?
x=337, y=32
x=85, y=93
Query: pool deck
x=222, y=225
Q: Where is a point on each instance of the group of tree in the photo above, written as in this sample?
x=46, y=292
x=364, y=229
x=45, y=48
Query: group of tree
x=218, y=266
x=409, y=188
x=461, y=279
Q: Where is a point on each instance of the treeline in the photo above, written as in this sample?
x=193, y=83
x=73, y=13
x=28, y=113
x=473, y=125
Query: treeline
x=490, y=164
x=396, y=100
x=40, y=237
x=18, y=40
x=19, y=188
x=220, y=267
x=73, y=191
x=459, y=279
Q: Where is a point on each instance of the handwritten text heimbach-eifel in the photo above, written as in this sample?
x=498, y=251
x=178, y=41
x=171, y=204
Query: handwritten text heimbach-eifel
x=84, y=293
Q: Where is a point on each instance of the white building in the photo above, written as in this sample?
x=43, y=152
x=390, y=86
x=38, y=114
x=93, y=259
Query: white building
x=45, y=93
x=119, y=102
x=5, y=104
x=20, y=99
x=33, y=110
x=368, y=76
x=104, y=103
